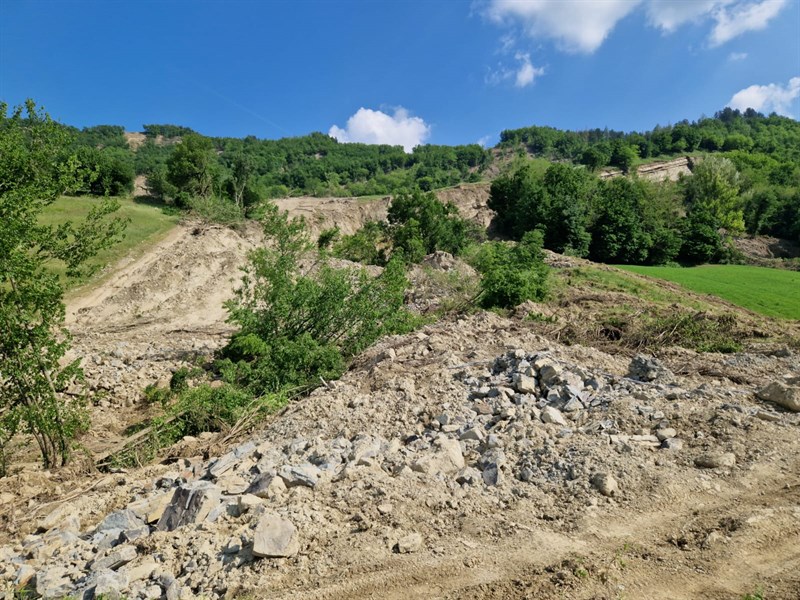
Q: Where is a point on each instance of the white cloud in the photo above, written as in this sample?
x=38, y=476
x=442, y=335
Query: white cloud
x=743, y=17
x=668, y=15
x=769, y=98
x=583, y=25
x=376, y=127
x=737, y=56
x=577, y=25
x=484, y=141
x=524, y=74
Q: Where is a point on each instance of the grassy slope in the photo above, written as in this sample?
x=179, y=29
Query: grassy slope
x=146, y=226
x=772, y=292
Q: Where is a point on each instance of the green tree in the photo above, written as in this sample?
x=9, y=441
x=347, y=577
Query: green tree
x=618, y=233
x=512, y=273
x=34, y=384
x=713, y=188
x=193, y=168
x=419, y=223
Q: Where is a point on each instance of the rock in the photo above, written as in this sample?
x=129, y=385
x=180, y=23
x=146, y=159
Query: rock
x=524, y=384
x=248, y=502
x=65, y=517
x=715, y=460
x=275, y=537
x=120, y=520
x=469, y=475
x=672, y=444
x=787, y=396
x=190, y=503
x=665, y=433
x=447, y=459
x=110, y=585
x=605, y=484
x=24, y=575
x=366, y=448
x=492, y=475
x=473, y=433
x=150, y=509
x=121, y=555
x=267, y=485
x=144, y=570
x=552, y=415
x=409, y=543
x=549, y=371
x=385, y=508
x=53, y=582
x=644, y=368
x=306, y=475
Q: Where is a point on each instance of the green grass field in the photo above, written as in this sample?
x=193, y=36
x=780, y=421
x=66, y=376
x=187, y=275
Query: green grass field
x=147, y=225
x=771, y=292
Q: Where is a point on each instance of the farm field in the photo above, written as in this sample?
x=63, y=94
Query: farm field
x=146, y=225
x=771, y=292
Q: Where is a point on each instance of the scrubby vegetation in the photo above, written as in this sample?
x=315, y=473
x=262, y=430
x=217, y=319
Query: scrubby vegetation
x=40, y=392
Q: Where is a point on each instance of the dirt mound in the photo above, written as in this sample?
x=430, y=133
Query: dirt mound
x=470, y=459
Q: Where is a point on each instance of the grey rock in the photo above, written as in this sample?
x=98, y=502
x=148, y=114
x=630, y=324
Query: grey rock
x=409, y=543
x=110, y=584
x=266, y=485
x=469, y=475
x=120, y=520
x=121, y=555
x=605, y=484
x=53, y=582
x=644, y=368
x=275, y=537
x=715, y=460
x=190, y=503
x=473, y=433
x=24, y=575
x=295, y=475
x=492, y=475
x=786, y=396
x=573, y=405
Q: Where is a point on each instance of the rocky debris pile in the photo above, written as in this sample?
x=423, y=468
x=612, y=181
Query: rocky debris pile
x=118, y=372
x=394, y=469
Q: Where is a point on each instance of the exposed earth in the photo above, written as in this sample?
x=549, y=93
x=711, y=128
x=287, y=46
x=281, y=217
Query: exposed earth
x=475, y=458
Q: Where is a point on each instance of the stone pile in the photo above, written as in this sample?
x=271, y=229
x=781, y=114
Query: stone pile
x=522, y=425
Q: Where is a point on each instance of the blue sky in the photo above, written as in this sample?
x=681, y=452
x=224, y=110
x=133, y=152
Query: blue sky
x=405, y=72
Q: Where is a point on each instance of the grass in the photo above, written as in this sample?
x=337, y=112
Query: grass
x=147, y=224
x=771, y=292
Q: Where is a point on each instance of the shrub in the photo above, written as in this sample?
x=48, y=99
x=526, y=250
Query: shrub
x=512, y=274
x=298, y=326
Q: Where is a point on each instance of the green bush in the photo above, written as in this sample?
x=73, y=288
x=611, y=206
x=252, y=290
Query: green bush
x=512, y=274
x=297, y=326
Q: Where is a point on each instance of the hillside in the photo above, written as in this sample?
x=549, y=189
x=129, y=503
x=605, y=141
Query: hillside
x=483, y=456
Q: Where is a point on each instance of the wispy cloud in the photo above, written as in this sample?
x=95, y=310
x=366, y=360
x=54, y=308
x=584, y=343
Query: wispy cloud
x=376, y=127
x=523, y=74
x=737, y=56
x=770, y=98
x=743, y=17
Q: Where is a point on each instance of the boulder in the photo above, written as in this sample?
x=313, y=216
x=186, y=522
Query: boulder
x=787, y=396
x=190, y=503
x=275, y=537
x=715, y=460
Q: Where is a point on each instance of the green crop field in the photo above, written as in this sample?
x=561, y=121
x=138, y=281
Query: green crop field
x=772, y=292
x=147, y=225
